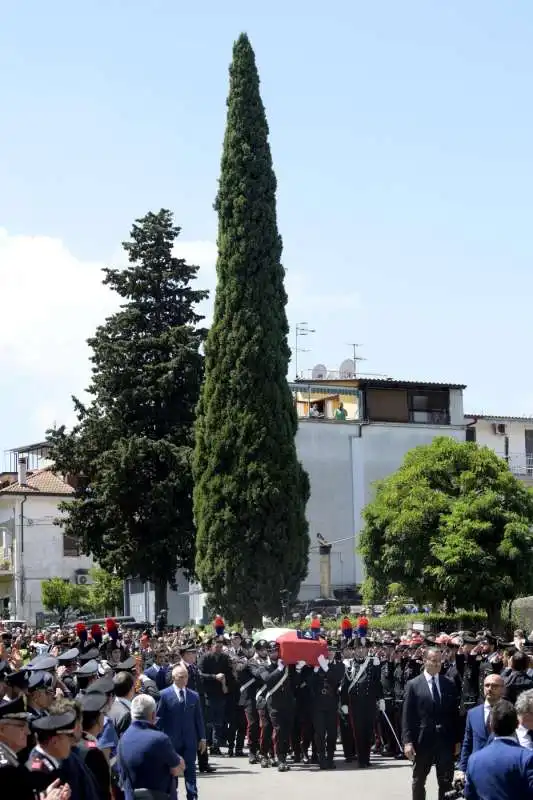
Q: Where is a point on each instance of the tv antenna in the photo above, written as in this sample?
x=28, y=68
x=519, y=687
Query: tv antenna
x=355, y=357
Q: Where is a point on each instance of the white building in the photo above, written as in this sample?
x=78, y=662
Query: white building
x=509, y=437
x=351, y=434
x=34, y=548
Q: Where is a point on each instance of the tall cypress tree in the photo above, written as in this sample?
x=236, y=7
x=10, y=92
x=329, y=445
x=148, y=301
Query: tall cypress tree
x=250, y=489
x=132, y=447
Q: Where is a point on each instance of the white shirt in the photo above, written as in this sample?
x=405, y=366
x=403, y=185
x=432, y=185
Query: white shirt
x=429, y=679
x=523, y=737
x=486, y=711
x=180, y=693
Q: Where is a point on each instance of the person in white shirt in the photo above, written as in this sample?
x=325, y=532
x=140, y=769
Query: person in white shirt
x=524, y=709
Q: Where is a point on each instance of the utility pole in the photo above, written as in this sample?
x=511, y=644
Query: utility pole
x=302, y=329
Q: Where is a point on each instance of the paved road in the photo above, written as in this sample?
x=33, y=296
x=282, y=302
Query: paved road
x=235, y=778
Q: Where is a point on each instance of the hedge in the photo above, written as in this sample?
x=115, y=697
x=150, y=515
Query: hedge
x=463, y=620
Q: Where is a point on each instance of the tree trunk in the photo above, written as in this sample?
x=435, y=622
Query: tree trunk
x=160, y=596
x=253, y=619
x=494, y=618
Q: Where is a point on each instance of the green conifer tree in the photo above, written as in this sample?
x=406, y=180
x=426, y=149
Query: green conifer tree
x=250, y=489
x=131, y=450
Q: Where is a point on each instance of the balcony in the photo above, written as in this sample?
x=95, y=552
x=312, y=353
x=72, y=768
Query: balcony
x=521, y=465
x=6, y=562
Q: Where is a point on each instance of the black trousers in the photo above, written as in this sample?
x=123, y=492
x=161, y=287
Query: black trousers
x=252, y=723
x=236, y=725
x=347, y=737
x=440, y=754
x=364, y=718
x=282, y=721
x=325, y=726
x=203, y=758
x=265, y=739
x=302, y=730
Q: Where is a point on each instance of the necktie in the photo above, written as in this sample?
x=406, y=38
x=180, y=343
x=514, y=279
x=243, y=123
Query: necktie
x=436, y=695
x=180, y=696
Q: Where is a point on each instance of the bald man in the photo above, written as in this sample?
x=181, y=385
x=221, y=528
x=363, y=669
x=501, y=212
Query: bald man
x=477, y=732
x=180, y=717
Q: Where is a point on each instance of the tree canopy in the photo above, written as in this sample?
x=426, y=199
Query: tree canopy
x=131, y=449
x=106, y=592
x=250, y=489
x=64, y=598
x=451, y=524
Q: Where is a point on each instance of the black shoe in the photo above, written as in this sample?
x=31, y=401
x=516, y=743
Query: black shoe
x=208, y=769
x=239, y=753
x=265, y=762
x=283, y=767
x=230, y=752
x=305, y=759
x=331, y=764
x=252, y=759
x=297, y=759
x=215, y=751
x=274, y=762
x=349, y=759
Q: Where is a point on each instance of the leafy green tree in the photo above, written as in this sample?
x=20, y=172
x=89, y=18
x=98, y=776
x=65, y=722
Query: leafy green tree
x=452, y=525
x=106, y=593
x=63, y=598
x=250, y=489
x=132, y=447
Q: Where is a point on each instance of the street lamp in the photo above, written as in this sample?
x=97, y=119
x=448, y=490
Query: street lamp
x=302, y=329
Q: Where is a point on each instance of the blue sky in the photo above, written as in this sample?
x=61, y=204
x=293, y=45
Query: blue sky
x=402, y=140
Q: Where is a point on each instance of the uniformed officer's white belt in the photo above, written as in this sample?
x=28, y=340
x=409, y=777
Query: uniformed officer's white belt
x=278, y=685
x=360, y=674
x=246, y=685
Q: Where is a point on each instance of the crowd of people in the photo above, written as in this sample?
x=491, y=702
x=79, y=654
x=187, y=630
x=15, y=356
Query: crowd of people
x=105, y=713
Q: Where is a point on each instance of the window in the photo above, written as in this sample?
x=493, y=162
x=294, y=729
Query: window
x=71, y=546
x=386, y=405
x=429, y=407
x=470, y=434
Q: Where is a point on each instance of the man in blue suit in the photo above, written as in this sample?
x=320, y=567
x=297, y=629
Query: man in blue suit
x=502, y=770
x=159, y=672
x=477, y=732
x=180, y=717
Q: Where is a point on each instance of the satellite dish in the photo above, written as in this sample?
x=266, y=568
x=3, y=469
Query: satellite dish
x=347, y=368
x=319, y=372
x=331, y=376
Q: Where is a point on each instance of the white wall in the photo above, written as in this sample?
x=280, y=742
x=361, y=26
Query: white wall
x=342, y=467
x=142, y=604
x=43, y=547
x=485, y=435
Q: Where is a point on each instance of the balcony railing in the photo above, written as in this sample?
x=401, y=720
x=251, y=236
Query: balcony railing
x=520, y=464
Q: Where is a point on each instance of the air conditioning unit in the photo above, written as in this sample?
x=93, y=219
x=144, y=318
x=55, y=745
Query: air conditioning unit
x=82, y=577
x=500, y=428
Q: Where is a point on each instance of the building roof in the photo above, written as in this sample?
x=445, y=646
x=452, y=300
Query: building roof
x=40, y=482
x=399, y=383
x=30, y=448
x=500, y=418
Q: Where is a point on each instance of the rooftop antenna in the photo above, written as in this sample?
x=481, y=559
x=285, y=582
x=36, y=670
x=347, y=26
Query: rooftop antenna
x=356, y=358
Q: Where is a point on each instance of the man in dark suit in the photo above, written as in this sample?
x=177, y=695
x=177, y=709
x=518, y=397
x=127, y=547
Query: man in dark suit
x=518, y=680
x=180, y=717
x=503, y=770
x=477, y=732
x=120, y=711
x=430, y=726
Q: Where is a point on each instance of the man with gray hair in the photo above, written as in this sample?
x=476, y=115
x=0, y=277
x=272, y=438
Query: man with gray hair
x=524, y=709
x=146, y=757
